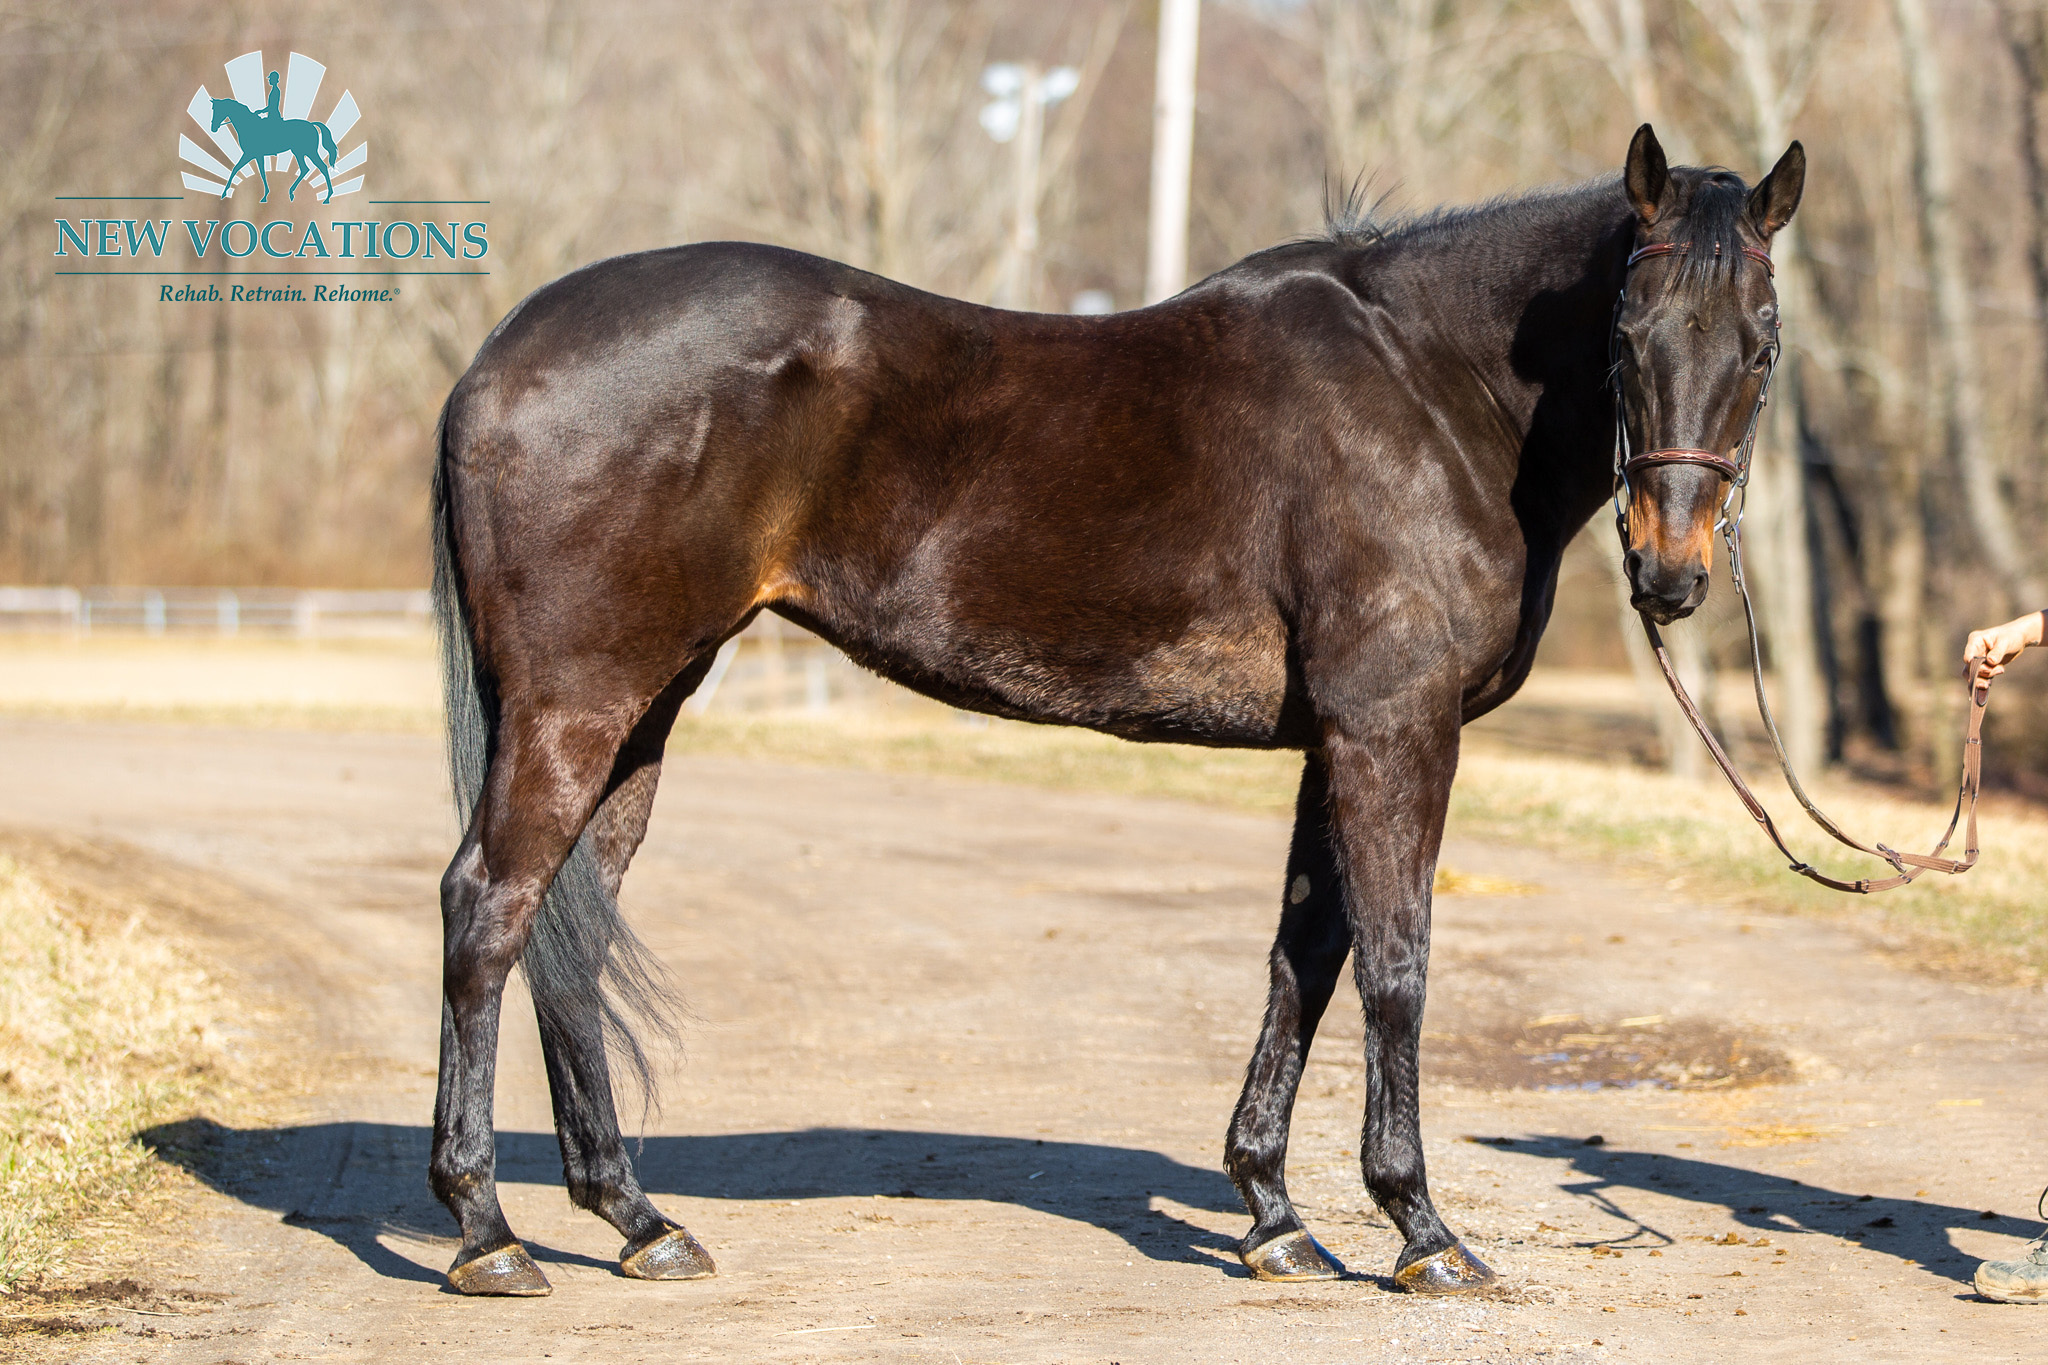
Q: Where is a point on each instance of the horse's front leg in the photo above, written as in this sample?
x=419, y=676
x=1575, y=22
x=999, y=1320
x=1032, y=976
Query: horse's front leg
x=266, y=180
x=1390, y=770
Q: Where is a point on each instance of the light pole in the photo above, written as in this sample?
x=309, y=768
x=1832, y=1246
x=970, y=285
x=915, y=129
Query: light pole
x=1173, y=148
x=1022, y=93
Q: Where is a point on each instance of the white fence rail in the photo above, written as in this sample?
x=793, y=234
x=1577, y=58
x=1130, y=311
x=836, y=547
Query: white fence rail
x=772, y=666
x=315, y=614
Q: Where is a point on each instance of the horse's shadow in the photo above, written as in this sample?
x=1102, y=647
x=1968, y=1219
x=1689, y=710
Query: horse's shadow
x=354, y=1182
x=1914, y=1231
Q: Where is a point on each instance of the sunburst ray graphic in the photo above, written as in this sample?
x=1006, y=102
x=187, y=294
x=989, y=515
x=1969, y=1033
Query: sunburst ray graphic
x=298, y=88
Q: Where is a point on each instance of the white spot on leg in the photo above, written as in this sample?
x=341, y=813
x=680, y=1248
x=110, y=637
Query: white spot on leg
x=1298, y=892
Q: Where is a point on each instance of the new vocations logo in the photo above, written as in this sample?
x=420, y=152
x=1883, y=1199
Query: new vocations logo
x=269, y=146
x=267, y=129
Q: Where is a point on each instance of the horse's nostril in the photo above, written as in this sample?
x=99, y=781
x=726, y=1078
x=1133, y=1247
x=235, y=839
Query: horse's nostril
x=1632, y=564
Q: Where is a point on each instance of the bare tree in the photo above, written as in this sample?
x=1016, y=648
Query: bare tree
x=1401, y=77
x=1775, y=52
x=1958, y=360
x=1618, y=31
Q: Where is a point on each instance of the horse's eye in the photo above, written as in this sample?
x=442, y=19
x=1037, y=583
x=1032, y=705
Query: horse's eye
x=1762, y=361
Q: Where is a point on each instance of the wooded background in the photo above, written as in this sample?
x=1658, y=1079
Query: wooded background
x=1899, y=492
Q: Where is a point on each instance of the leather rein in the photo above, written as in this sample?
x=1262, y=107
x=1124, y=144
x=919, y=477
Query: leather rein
x=1735, y=473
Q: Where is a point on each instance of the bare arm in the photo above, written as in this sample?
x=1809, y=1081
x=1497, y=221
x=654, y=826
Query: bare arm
x=1999, y=645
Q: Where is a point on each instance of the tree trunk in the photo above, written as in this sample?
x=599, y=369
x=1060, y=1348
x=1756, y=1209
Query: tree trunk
x=1621, y=39
x=1902, y=607
x=1780, y=561
x=1780, y=565
x=1957, y=361
x=2026, y=39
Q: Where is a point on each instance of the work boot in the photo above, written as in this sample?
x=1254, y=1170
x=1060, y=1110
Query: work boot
x=2021, y=1281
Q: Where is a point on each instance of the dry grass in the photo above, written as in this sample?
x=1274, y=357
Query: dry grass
x=105, y=1028
x=1992, y=923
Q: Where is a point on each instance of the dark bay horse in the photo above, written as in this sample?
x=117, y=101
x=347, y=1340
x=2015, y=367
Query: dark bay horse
x=1315, y=502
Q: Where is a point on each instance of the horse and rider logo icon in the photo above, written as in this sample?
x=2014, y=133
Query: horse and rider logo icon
x=262, y=126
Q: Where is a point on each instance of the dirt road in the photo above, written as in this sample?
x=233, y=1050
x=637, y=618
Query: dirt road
x=964, y=1059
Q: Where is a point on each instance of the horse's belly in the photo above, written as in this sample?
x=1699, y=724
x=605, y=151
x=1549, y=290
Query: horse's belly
x=1207, y=686
x=1213, y=687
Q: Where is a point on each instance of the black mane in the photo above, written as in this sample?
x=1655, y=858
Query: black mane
x=1713, y=204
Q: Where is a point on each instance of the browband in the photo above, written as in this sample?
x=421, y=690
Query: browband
x=1757, y=254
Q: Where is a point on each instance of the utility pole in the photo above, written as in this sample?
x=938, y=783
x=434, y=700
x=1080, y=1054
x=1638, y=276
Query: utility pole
x=1023, y=94
x=1173, y=148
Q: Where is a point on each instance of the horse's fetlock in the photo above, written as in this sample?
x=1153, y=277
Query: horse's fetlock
x=456, y=1181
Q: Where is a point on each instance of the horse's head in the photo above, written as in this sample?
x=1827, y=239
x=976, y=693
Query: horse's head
x=223, y=111
x=1694, y=342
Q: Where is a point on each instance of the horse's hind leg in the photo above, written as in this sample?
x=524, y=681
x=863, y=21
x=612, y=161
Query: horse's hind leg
x=1308, y=956
x=594, y=1161
x=546, y=778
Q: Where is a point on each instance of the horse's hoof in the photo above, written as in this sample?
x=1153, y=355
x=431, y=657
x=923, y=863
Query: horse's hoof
x=1453, y=1270
x=1292, y=1256
x=675, y=1255
x=507, y=1272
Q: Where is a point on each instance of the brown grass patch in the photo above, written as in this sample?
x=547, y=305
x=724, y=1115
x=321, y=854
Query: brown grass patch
x=106, y=1026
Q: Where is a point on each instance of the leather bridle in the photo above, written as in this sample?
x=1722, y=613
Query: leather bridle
x=1735, y=472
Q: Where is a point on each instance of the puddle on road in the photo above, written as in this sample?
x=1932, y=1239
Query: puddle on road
x=1569, y=1053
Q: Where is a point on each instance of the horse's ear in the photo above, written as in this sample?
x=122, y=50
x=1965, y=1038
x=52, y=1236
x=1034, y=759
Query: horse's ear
x=1772, y=202
x=1647, y=176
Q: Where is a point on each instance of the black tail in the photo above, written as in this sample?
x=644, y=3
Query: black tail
x=579, y=937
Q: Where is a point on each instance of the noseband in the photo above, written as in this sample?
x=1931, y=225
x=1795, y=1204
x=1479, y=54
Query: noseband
x=1627, y=462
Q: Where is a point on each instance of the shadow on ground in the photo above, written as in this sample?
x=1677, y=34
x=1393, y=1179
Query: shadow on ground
x=353, y=1182
x=1913, y=1231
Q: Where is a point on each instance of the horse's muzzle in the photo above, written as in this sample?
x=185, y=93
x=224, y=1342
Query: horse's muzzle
x=1665, y=593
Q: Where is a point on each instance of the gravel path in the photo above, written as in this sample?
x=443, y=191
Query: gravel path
x=963, y=1061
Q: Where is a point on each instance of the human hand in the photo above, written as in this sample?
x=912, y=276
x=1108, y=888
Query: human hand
x=1999, y=645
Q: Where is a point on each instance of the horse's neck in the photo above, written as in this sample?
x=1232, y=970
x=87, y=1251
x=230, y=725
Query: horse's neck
x=1523, y=295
